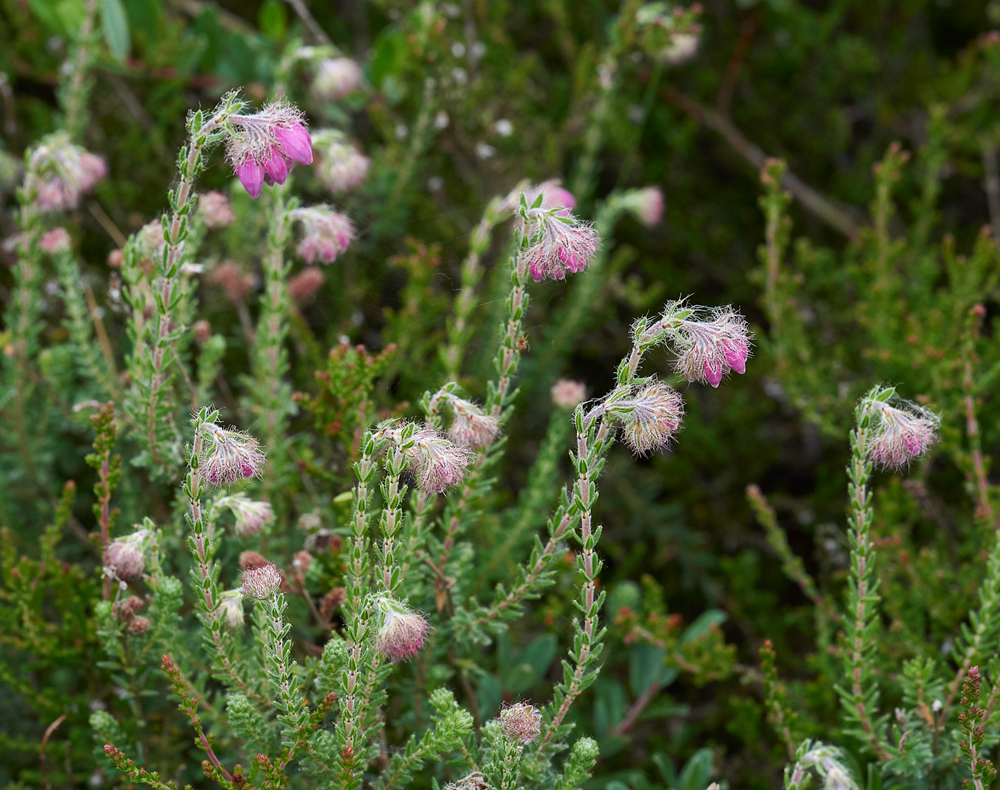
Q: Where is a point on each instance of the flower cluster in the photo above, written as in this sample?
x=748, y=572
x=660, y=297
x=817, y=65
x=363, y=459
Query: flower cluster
x=326, y=233
x=125, y=557
x=650, y=416
x=55, y=241
x=435, y=462
x=708, y=349
x=59, y=172
x=230, y=456
x=339, y=165
x=336, y=78
x=568, y=394
x=470, y=427
x=559, y=243
x=521, y=722
x=250, y=515
x=262, y=147
x=261, y=582
x=901, y=433
x=215, y=211
x=400, y=632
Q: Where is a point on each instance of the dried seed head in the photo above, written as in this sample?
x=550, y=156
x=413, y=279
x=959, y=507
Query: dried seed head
x=901, y=433
x=340, y=166
x=250, y=515
x=708, y=349
x=139, y=625
x=327, y=233
x=262, y=582
x=305, y=284
x=127, y=609
x=650, y=417
x=229, y=456
x=567, y=394
x=231, y=609
x=436, y=463
x=125, y=557
x=521, y=722
x=559, y=243
x=336, y=78
x=59, y=172
x=331, y=601
x=470, y=427
x=215, y=211
x=400, y=632
x=263, y=147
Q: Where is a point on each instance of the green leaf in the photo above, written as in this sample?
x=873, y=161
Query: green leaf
x=114, y=23
x=646, y=667
x=272, y=19
x=45, y=10
x=702, y=625
x=698, y=771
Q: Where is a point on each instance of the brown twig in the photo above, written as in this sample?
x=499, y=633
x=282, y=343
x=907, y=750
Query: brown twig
x=41, y=752
x=735, y=65
x=991, y=184
x=837, y=216
x=633, y=712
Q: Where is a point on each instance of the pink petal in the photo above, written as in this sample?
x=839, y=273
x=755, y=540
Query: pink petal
x=713, y=373
x=276, y=167
x=295, y=143
x=251, y=175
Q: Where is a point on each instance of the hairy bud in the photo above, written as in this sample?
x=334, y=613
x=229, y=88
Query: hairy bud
x=901, y=433
x=470, y=427
x=327, y=233
x=231, y=609
x=125, y=557
x=231, y=456
x=559, y=243
x=521, y=722
x=650, y=416
x=250, y=515
x=708, y=349
x=262, y=582
x=436, y=463
x=305, y=284
x=400, y=631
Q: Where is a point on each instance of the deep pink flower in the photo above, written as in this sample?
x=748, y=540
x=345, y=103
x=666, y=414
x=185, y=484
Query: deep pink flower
x=261, y=147
x=650, y=416
x=559, y=245
x=708, y=349
x=900, y=434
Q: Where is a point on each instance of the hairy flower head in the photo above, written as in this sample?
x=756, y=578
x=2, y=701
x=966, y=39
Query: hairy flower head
x=229, y=456
x=59, y=172
x=900, y=433
x=559, y=243
x=521, y=722
x=568, y=394
x=326, y=233
x=250, y=515
x=470, y=427
x=230, y=609
x=262, y=582
x=336, y=78
x=55, y=241
x=437, y=463
x=828, y=764
x=263, y=146
x=215, y=211
x=708, y=349
x=646, y=204
x=339, y=164
x=400, y=632
x=650, y=416
x=125, y=557
x=305, y=284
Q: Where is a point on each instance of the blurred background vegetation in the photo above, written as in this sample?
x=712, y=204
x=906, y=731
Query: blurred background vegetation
x=465, y=99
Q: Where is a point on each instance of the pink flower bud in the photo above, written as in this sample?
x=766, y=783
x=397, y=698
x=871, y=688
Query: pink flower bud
x=647, y=203
x=651, y=416
x=251, y=175
x=336, y=78
x=229, y=456
x=568, y=394
x=708, y=349
x=521, y=722
x=470, y=427
x=900, y=434
x=305, y=284
x=215, y=211
x=436, y=463
x=262, y=582
x=400, y=632
x=275, y=167
x=295, y=143
x=125, y=557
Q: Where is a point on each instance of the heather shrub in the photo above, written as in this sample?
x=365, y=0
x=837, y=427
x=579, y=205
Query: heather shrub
x=358, y=430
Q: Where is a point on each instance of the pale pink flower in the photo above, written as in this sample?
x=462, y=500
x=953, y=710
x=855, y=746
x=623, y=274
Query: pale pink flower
x=229, y=456
x=647, y=205
x=682, y=47
x=54, y=241
x=59, y=172
x=470, y=427
x=399, y=631
x=336, y=78
x=473, y=781
x=215, y=211
x=709, y=349
x=305, y=284
x=327, y=233
x=568, y=394
x=558, y=244
x=250, y=515
x=554, y=195
x=650, y=416
x=901, y=433
x=437, y=463
x=262, y=147
x=262, y=582
x=231, y=609
x=339, y=165
x=125, y=557
x=234, y=281
x=521, y=722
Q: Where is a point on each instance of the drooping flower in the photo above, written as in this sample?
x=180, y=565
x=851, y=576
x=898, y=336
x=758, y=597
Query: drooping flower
x=568, y=394
x=262, y=582
x=59, y=172
x=650, y=416
x=250, y=515
x=231, y=609
x=305, y=284
x=215, y=211
x=125, y=557
x=229, y=456
x=327, y=233
x=55, y=241
x=400, y=632
x=521, y=722
x=708, y=349
x=336, y=78
x=559, y=243
x=470, y=427
x=262, y=147
x=339, y=164
x=900, y=433
x=828, y=764
x=437, y=463
x=646, y=204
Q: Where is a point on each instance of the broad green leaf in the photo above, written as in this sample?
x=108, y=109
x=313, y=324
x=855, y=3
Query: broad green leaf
x=704, y=622
x=114, y=24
